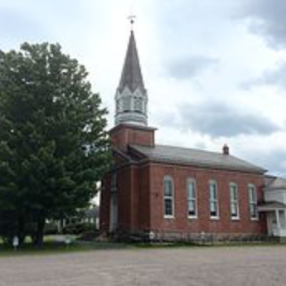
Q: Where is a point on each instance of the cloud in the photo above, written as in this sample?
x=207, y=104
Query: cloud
x=190, y=66
x=14, y=24
x=268, y=19
x=275, y=77
x=220, y=120
x=273, y=160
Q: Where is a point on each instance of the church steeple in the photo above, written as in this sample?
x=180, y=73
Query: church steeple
x=131, y=96
x=131, y=76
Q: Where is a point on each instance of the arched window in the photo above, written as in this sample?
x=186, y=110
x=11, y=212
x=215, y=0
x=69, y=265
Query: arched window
x=252, y=200
x=192, y=198
x=126, y=103
x=138, y=104
x=213, y=200
x=234, y=207
x=168, y=197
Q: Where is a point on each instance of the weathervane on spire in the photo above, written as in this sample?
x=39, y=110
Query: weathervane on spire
x=132, y=18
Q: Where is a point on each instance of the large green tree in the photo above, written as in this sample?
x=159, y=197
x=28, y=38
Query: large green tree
x=53, y=142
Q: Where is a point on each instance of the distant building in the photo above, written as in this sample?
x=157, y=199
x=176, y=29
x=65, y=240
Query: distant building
x=168, y=192
x=275, y=206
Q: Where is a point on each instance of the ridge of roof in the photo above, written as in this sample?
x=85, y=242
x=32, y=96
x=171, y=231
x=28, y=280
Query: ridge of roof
x=197, y=157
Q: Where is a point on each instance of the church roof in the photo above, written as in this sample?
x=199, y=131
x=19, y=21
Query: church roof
x=131, y=76
x=194, y=157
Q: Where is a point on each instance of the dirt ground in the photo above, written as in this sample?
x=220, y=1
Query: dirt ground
x=233, y=266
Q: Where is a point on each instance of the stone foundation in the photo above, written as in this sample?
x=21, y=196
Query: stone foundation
x=196, y=238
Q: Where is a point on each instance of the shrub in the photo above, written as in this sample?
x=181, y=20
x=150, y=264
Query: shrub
x=78, y=228
x=51, y=228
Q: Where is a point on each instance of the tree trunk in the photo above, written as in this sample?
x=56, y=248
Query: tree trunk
x=21, y=234
x=38, y=239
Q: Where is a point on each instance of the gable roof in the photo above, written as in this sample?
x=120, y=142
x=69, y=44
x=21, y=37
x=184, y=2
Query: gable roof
x=131, y=76
x=195, y=157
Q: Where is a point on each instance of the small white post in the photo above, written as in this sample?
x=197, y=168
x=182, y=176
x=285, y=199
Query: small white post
x=15, y=242
x=278, y=219
x=68, y=241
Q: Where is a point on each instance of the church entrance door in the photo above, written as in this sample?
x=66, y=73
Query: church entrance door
x=113, y=213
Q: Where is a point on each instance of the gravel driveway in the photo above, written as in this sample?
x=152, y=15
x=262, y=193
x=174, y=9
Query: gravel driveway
x=233, y=266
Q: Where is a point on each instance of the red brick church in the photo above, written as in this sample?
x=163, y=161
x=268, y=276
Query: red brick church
x=166, y=192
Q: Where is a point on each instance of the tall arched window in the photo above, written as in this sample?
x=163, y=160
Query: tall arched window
x=213, y=200
x=126, y=103
x=168, y=197
x=192, y=198
x=252, y=198
x=138, y=104
x=234, y=207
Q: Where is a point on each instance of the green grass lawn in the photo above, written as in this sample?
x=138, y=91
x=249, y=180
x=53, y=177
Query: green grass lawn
x=56, y=244
x=53, y=248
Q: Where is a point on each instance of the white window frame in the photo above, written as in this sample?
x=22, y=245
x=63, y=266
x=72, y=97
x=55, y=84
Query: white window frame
x=234, y=201
x=169, y=197
x=193, y=199
x=252, y=201
x=213, y=200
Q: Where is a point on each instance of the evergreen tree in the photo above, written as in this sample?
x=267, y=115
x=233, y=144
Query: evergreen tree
x=53, y=143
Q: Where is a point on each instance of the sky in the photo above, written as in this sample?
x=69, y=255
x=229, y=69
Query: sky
x=215, y=70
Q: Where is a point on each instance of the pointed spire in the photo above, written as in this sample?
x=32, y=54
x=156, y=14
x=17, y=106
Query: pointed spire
x=131, y=76
x=131, y=96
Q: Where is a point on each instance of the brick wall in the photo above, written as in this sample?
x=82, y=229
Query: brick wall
x=181, y=222
x=141, y=201
x=133, y=199
x=124, y=180
x=141, y=194
x=123, y=134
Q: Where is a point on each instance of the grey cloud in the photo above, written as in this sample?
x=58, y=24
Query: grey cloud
x=276, y=77
x=268, y=19
x=190, y=66
x=274, y=161
x=220, y=120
